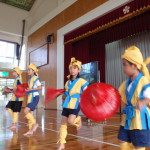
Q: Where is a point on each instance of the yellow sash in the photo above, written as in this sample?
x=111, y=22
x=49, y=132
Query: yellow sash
x=73, y=92
x=14, y=98
x=31, y=83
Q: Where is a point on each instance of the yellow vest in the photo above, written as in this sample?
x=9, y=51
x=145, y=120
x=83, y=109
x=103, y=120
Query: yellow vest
x=133, y=118
x=73, y=91
x=31, y=83
x=14, y=98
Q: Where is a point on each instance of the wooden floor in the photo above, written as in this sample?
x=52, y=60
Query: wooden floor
x=92, y=136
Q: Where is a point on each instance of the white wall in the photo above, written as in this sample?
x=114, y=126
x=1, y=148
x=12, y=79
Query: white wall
x=11, y=22
x=49, y=13
x=11, y=30
x=10, y=37
x=42, y=11
x=39, y=10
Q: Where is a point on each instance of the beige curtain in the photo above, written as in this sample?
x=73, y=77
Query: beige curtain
x=114, y=74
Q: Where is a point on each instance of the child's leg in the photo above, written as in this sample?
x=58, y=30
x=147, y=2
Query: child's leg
x=31, y=112
x=29, y=115
x=34, y=126
x=31, y=119
x=76, y=121
x=139, y=148
x=9, y=108
x=14, y=107
x=15, y=120
x=126, y=146
x=10, y=111
x=124, y=139
x=30, y=122
x=14, y=116
x=63, y=133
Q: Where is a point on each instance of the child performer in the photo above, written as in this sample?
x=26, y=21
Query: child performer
x=134, y=133
x=73, y=89
x=14, y=106
x=33, y=98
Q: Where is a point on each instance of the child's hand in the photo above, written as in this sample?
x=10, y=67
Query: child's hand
x=4, y=93
x=8, y=90
x=140, y=104
x=63, y=97
x=28, y=89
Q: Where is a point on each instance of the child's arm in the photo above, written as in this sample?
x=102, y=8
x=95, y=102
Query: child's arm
x=63, y=97
x=142, y=103
x=146, y=100
x=8, y=90
x=35, y=89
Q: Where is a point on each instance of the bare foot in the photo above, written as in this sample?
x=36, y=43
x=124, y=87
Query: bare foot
x=13, y=127
x=80, y=125
x=35, y=126
x=62, y=146
x=30, y=132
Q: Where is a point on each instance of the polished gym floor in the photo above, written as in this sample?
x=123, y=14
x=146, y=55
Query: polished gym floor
x=92, y=135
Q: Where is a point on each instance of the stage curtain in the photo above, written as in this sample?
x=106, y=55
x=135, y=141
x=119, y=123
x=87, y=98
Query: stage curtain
x=92, y=48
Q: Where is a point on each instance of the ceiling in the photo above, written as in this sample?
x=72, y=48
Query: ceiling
x=23, y=4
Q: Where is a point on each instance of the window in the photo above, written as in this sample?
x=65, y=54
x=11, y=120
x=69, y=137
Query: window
x=5, y=98
x=7, y=52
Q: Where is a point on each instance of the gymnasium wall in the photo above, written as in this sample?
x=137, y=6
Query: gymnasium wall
x=11, y=22
x=48, y=73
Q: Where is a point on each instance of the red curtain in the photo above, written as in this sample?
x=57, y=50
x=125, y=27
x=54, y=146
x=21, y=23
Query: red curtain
x=102, y=20
x=67, y=56
x=97, y=53
x=92, y=48
x=79, y=50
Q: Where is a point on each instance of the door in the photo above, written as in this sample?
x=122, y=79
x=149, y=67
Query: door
x=42, y=95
